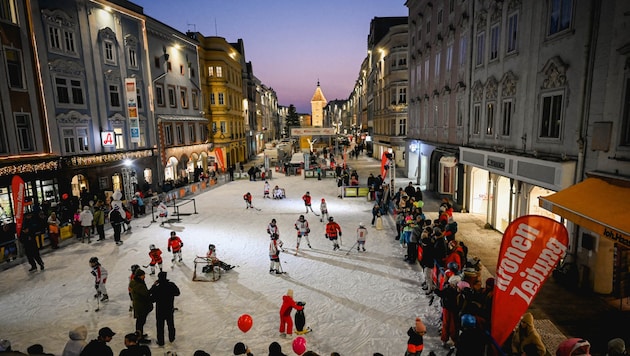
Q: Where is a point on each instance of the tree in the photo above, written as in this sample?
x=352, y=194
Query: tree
x=293, y=119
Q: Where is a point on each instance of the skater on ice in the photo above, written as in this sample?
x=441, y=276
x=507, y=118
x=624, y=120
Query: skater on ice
x=266, y=190
x=100, y=278
x=162, y=210
x=361, y=236
x=323, y=208
x=213, y=260
x=307, y=202
x=301, y=225
x=288, y=304
x=175, y=245
x=274, y=256
x=156, y=258
x=248, y=200
x=333, y=232
x=274, y=231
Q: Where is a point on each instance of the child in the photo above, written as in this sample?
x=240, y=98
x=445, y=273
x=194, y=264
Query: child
x=274, y=255
x=162, y=212
x=212, y=256
x=248, y=200
x=288, y=304
x=175, y=245
x=307, y=201
x=415, y=344
x=266, y=190
x=361, y=236
x=100, y=278
x=156, y=258
x=127, y=222
x=76, y=225
x=301, y=225
x=273, y=231
x=323, y=207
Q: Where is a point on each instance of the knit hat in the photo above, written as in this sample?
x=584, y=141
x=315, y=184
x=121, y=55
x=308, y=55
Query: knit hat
x=162, y=276
x=5, y=345
x=420, y=327
x=616, y=347
x=240, y=348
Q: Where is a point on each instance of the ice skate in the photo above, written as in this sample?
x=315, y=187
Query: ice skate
x=105, y=298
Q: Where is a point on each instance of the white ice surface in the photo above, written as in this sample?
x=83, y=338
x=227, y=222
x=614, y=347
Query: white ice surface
x=357, y=304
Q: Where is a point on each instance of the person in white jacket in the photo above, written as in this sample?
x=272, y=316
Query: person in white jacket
x=77, y=342
x=86, y=218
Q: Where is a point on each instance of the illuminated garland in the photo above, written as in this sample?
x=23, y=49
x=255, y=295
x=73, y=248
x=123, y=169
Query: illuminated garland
x=106, y=158
x=29, y=168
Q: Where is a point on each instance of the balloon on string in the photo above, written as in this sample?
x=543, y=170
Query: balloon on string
x=299, y=345
x=245, y=322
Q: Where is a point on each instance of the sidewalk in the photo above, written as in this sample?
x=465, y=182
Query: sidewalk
x=559, y=313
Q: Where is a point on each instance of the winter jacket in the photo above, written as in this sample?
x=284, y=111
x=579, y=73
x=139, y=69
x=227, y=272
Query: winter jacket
x=288, y=304
x=86, y=218
x=333, y=230
x=156, y=256
x=175, y=244
x=141, y=299
x=163, y=293
x=97, y=348
x=77, y=342
x=99, y=217
x=525, y=334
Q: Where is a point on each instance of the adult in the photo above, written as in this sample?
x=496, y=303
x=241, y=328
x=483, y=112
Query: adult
x=133, y=348
x=116, y=219
x=163, y=293
x=87, y=219
x=77, y=342
x=141, y=300
x=98, y=346
x=410, y=190
x=99, y=220
x=28, y=238
x=525, y=336
x=54, y=226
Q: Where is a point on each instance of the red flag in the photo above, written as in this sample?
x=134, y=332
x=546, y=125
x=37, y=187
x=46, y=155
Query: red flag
x=384, y=160
x=218, y=154
x=531, y=247
x=17, y=187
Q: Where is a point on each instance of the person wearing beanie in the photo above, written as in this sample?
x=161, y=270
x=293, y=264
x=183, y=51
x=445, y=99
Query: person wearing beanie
x=163, y=293
x=616, y=347
x=415, y=343
x=241, y=349
x=133, y=348
x=77, y=342
x=275, y=349
x=526, y=336
x=141, y=300
x=286, y=322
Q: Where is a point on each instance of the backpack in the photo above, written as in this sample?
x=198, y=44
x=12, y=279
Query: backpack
x=115, y=217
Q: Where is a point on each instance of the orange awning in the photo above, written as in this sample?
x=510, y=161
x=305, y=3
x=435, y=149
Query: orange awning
x=595, y=204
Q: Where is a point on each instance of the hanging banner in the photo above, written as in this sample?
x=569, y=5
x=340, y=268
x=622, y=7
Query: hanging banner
x=384, y=165
x=531, y=247
x=17, y=188
x=132, y=109
x=218, y=154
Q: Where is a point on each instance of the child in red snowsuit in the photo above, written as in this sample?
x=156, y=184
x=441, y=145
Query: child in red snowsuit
x=175, y=245
x=286, y=323
x=156, y=258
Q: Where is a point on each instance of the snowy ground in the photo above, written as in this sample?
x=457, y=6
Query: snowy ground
x=357, y=304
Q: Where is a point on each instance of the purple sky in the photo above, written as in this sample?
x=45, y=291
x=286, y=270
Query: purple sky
x=291, y=43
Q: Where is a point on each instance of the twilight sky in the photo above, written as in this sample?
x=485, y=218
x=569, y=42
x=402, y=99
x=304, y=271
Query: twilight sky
x=291, y=43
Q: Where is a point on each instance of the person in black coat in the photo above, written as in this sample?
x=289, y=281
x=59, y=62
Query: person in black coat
x=98, y=346
x=28, y=238
x=163, y=293
x=133, y=348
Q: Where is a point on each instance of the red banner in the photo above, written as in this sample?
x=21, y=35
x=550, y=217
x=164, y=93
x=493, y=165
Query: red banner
x=17, y=188
x=530, y=250
x=384, y=161
x=218, y=155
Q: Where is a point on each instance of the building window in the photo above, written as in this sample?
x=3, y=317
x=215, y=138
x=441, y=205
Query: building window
x=139, y=98
x=181, y=69
x=114, y=95
x=192, y=138
x=109, y=52
x=183, y=95
x=14, y=68
x=436, y=114
x=439, y=16
x=159, y=95
x=476, y=119
x=221, y=99
x=212, y=101
x=69, y=91
x=402, y=95
x=438, y=59
x=426, y=71
x=24, y=127
x=143, y=136
x=168, y=66
x=402, y=127
x=463, y=47
x=172, y=98
x=203, y=132
x=8, y=11
x=68, y=37
x=512, y=33
x=54, y=38
x=179, y=133
x=494, y=42
x=223, y=127
x=219, y=72
x=428, y=27
x=211, y=71
x=460, y=113
x=506, y=113
x=490, y=118
x=560, y=14
x=625, y=119
x=75, y=140
x=4, y=148
x=551, y=116
x=133, y=57
x=168, y=134
x=481, y=47
x=156, y=62
x=449, y=57
x=119, y=137
x=195, y=99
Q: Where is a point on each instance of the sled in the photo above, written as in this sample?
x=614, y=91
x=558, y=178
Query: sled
x=210, y=272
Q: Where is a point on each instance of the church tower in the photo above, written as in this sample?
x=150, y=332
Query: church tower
x=318, y=102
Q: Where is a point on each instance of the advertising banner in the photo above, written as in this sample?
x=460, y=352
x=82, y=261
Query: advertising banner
x=132, y=109
x=531, y=247
x=17, y=188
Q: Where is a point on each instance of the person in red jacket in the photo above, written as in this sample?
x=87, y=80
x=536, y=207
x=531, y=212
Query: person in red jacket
x=248, y=200
x=286, y=322
x=156, y=258
x=175, y=245
x=333, y=232
x=307, y=202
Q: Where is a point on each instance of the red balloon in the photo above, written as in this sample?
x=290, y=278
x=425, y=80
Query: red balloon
x=299, y=345
x=245, y=322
